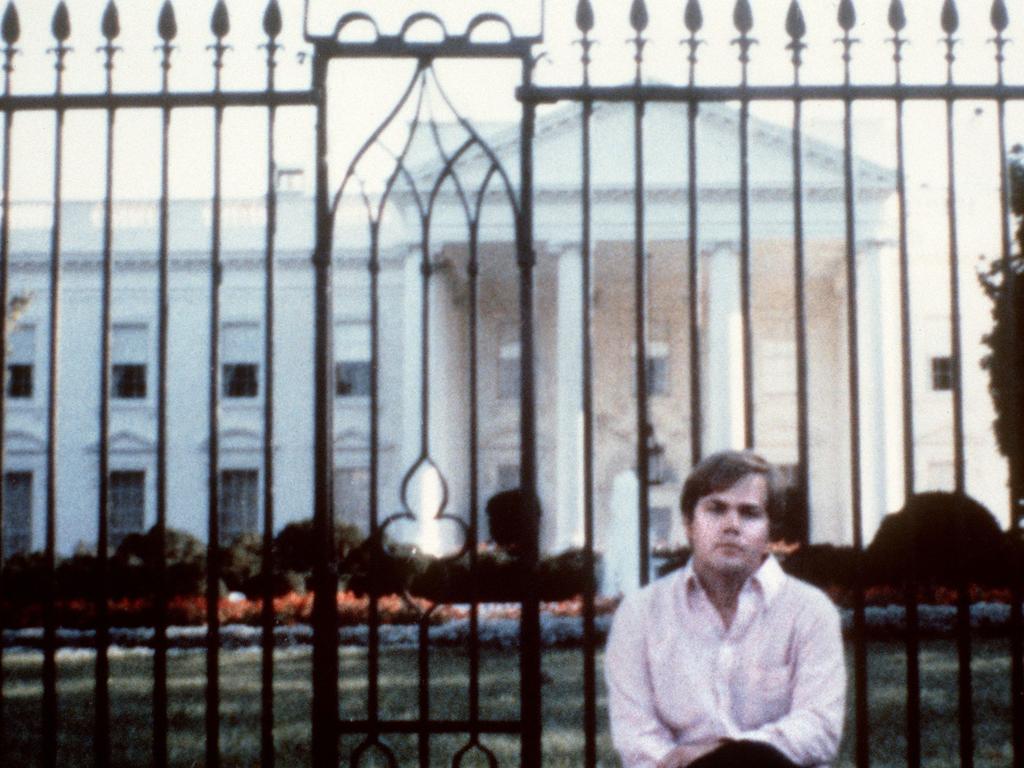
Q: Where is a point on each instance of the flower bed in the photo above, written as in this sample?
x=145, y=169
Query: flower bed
x=401, y=620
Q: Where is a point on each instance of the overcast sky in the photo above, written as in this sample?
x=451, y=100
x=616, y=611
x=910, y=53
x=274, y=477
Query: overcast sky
x=363, y=92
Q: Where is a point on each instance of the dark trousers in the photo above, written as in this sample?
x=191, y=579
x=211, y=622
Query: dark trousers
x=744, y=754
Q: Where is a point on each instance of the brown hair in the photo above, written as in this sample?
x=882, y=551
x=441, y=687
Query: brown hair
x=726, y=468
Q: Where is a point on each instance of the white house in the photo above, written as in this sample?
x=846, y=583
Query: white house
x=558, y=302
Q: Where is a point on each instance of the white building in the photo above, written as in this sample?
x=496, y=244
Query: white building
x=558, y=299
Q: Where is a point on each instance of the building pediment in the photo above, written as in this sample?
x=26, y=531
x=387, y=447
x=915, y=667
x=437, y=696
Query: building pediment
x=558, y=164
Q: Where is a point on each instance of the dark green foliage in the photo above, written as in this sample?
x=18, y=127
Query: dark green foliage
x=953, y=537
x=391, y=569
x=134, y=564
x=824, y=565
x=1003, y=283
x=241, y=564
x=24, y=579
x=496, y=577
x=293, y=545
x=508, y=517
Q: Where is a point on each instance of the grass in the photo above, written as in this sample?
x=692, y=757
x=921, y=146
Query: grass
x=130, y=687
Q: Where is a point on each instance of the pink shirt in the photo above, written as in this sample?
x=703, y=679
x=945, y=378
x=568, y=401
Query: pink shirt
x=676, y=675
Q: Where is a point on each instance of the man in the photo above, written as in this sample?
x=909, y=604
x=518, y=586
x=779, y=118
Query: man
x=728, y=662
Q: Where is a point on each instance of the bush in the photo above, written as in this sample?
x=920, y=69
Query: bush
x=496, y=578
x=24, y=579
x=955, y=539
x=293, y=545
x=134, y=564
x=824, y=565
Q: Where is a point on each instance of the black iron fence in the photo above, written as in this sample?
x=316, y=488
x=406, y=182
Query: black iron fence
x=471, y=176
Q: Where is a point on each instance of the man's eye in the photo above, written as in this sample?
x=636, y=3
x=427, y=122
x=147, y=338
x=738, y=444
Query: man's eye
x=752, y=513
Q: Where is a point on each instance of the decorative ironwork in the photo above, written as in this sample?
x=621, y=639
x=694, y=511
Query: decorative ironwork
x=468, y=176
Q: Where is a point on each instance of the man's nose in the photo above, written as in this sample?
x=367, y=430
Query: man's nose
x=731, y=519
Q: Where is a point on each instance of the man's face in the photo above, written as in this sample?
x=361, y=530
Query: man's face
x=729, y=530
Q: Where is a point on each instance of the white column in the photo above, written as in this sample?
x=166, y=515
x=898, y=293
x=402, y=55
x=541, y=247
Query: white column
x=569, y=474
x=723, y=357
x=880, y=388
x=412, y=329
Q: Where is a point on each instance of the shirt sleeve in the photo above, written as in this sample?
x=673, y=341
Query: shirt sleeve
x=809, y=734
x=639, y=735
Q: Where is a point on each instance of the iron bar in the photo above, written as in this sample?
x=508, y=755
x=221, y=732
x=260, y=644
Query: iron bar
x=586, y=368
x=965, y=715
x=744, y=21
x=271, y=26
x=548, y=94
x=423, y=666
x=155, y=100
x=860, y=659
x=325, y=579
x=449, y=48
x=61, y=29
x=373, y=642
x=166, y=29
x=644, y=430
x=213, y=542
x=101, y=729
x=473, y=274
x=529, y=625
x=694, y=23
x=10, y=38
x=911, y=638
x=796, y=28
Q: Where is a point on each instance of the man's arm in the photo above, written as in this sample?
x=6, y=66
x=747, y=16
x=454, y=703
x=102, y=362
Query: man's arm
x=639, y=735
x=810, y=733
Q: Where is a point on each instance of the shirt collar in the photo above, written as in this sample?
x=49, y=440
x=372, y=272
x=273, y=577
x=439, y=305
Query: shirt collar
x=767, y=579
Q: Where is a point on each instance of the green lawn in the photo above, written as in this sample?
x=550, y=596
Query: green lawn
x=130, y=685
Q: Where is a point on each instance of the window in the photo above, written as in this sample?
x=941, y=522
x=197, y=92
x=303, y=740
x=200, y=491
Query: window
x=352, y=496
x=352, y=379
x=127, y=506
x=352, y=360
x=238, y=501
x=20, y=359
x=508, y=477
x=660, y=527
x=657, y=368
x=239, y=352
x=942, y=373
x=17, y=513
x=128, y=381
x=240, y=380
x=19, y=380
x=129, y=352
x=509, y=370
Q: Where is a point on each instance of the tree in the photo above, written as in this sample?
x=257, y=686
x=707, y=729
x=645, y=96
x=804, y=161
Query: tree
x=1003, y=283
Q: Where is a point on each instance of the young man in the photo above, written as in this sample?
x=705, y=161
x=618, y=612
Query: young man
x=728, y=662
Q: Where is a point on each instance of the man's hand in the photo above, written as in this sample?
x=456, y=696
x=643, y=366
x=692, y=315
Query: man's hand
x=683, y=755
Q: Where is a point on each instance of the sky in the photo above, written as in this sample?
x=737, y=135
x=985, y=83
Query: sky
x=362, y=92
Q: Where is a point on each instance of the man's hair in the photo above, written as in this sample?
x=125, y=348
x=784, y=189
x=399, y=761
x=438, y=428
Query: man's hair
x=723, y=470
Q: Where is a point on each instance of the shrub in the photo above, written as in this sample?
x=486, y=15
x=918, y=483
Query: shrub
x=824, y=565
x=293, y=545
x=134, y=564
x=953, y=537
